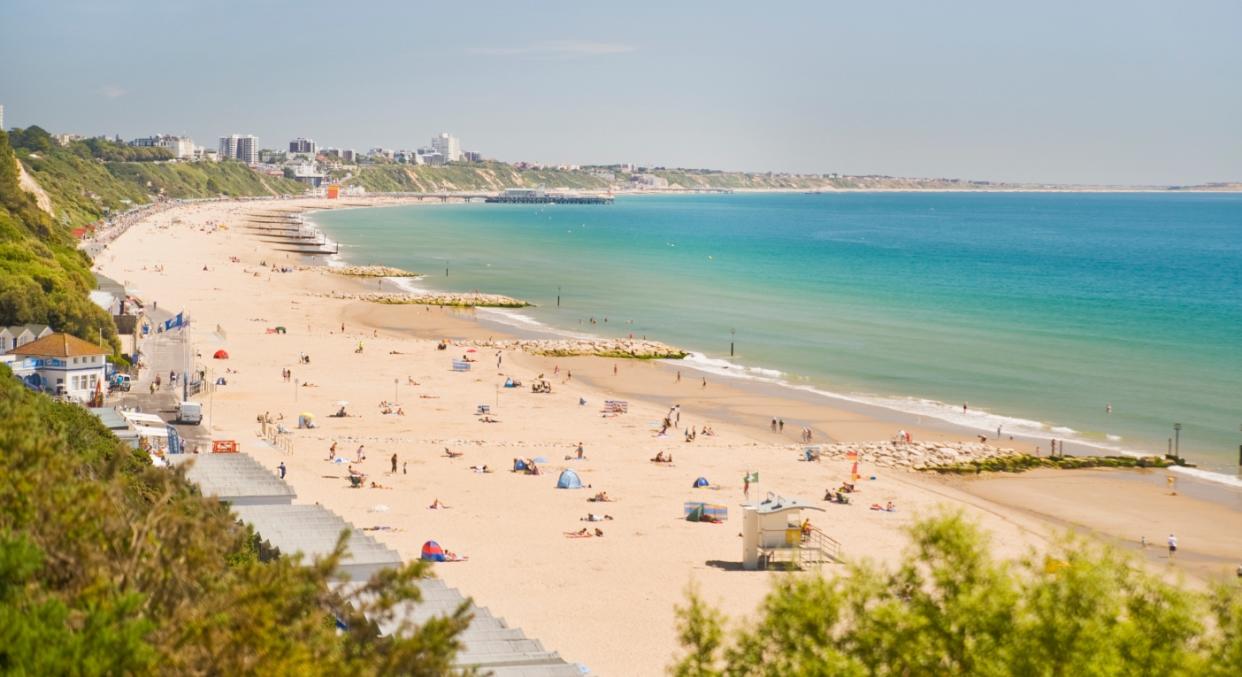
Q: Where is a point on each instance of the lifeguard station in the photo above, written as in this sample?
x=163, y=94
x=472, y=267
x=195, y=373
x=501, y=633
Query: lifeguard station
x=772, y=533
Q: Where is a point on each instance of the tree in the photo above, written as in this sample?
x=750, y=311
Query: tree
x=949, y=607
x=111, y=566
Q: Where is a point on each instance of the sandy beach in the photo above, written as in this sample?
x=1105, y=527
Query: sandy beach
x=606, y=602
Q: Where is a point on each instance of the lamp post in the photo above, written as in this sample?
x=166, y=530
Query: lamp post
x=1177, y=441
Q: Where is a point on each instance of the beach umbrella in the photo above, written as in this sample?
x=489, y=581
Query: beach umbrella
x=306, y=414
x=221, y=354
x=342, y=403
x=432, y=552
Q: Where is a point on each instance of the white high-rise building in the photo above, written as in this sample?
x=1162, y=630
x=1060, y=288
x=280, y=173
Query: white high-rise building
x=1, y=117
x=448, y=146
x=242, y=148
x=182, y=147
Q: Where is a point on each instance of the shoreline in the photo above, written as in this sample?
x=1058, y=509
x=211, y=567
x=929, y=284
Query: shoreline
x=521, y=566
x=902, y=411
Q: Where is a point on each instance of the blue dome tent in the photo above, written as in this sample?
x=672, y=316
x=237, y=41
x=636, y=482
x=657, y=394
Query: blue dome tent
x=569, y=480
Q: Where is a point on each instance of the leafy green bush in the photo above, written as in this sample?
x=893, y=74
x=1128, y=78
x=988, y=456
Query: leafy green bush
x=111, y=566
x=950, y=608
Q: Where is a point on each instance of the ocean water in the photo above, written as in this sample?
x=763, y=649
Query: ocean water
x=1039, y=309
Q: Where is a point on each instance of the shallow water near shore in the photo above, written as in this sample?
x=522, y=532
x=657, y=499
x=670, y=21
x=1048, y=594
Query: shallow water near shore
x=1040, y=310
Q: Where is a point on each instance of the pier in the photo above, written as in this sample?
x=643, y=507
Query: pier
x=550, y=199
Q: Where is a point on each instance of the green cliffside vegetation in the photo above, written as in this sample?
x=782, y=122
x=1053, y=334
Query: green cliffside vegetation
x=88, y=179
x=485, y=176
x=494, y=176
x=44, y=279
x=110, y=566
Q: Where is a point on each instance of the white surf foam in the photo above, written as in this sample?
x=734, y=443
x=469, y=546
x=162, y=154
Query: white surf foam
x=1208, y=475
x=519, y=320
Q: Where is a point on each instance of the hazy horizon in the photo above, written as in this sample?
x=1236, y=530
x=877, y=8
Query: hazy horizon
x=1121, y=93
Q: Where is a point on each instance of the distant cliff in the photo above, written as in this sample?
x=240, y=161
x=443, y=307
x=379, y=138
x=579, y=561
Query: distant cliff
x=86, y=179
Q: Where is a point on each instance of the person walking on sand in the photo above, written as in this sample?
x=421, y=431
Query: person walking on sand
x=773, y=426
x=704, y=382
x=746, y=485
x=394, y=464
x=679, y=376
x=281, y=469
x=780, y=425
x=1172, y=545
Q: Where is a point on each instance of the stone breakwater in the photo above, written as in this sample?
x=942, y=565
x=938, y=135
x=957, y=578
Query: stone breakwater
x=634, y=349
x=372, y=271
x=456, y=300
x=915, y=456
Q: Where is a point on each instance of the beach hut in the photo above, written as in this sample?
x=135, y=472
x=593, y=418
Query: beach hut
x=701, y=482
x=221, y=354
x=432, y=552
x=569, y=480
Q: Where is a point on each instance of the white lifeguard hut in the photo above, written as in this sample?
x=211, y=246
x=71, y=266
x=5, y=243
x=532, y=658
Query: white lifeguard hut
x=772, y=532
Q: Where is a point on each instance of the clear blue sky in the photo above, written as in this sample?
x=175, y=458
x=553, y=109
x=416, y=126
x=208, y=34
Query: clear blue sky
x=1100, y=91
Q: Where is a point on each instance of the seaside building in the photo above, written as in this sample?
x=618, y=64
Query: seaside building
x=302, y=146
x=1, y=116
x=60, y=364
x=182, y=147
x=649, y=181
x=241, y=148
x=448, y=146
x=20, y=335
x=348, y=155
x=472, y=156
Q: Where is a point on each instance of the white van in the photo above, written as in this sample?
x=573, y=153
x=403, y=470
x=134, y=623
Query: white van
x=190, y=412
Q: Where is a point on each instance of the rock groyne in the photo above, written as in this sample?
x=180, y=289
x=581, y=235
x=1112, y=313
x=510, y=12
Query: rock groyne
x=372, y=271
x=449, y=299
x=630, y=349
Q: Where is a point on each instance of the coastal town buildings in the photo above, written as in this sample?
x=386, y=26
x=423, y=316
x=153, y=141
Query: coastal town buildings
x=20, y=335
x=182, y=147
x=447, y=145
x=60, y=364
x=241, y=148
x=1, y=116
x=302, y=146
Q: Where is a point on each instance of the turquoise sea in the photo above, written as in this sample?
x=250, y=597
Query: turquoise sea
x=1039, y=309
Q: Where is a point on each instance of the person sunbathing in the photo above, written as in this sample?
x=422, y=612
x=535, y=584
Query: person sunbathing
x=662, y=458
x=400, y=411
x=437, y=505
x=450, y=556
x=592, y=517
x=480, y=468
x=488, y=419
x=601, y=497
x=377, y=485
x=453, y=454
